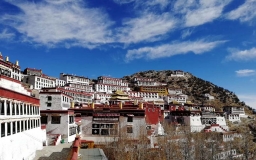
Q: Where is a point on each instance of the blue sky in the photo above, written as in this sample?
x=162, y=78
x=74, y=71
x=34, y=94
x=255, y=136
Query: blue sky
x=212, y=39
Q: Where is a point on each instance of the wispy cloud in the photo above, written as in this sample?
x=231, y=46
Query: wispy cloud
x=6, y=35
x=168, y=50
x=245, y=12
x=245, y=72
x=147, y=27
x=241, y=55
x=196, y=14
x=185, y=33
x=123, y=1
x=57, y=22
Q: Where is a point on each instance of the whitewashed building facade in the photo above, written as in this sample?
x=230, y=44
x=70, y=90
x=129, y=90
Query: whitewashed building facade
x=20, y=128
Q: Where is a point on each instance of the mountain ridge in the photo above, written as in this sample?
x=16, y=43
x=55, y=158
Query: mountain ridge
x=192, y=86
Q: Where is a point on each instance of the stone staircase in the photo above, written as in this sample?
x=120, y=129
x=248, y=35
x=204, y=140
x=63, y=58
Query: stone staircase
x=59, y=152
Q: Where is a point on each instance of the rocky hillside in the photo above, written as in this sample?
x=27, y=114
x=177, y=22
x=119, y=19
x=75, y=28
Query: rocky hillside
x=194, y=87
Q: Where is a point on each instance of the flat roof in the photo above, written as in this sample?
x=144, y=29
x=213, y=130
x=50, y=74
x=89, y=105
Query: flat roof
x=92, y=154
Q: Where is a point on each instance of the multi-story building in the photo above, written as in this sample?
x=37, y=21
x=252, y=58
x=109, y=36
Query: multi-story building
x=80, y=87
x=175, y=91
x=20, y=129
x=180, y=98
x=178, y=73
x=145, y=96
x=54, y=101
x=59, y=82
x=101, y=97
x=33, y=72
x=108, y=85
x=234, y=113
x=104, y=123
x=198, y=118
x=70, y=78
x=138, y=81
x=60, y=122
x=234, y=110
x=79, y=97
x=9, y=69
x=161, y=90
x=39, y=82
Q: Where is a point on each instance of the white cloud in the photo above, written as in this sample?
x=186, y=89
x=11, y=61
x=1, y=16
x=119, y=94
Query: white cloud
x=169, y=50
x=6, y=35
x=186, y=33
x=249, y=99
x=148, y=27
x=196, y=12
x=244, y=55
x=204, y=12
x=59, y=22
x=152, y=4
x=245, y=72
x=245, y=12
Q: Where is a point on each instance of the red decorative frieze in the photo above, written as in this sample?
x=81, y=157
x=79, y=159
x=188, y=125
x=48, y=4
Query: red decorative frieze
x=6, y=93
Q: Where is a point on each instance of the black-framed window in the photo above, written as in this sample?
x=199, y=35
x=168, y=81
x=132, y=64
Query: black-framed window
x=130, y=119
x=49, y=104
x=13, y=127
x=2, y=129
x=2, y=107
x=18, y=126
x=13, y=109
x=31, y=109
x=71, y=119
x=49, y=98
x=17, y=110
x=56, y=119
x=129, y=129
x=44, y=119
x=26, y=125
x=8, y=108
x=25, y=109
x=21, y=109
x=22, y=125
x=8, y=128
x=29, y=124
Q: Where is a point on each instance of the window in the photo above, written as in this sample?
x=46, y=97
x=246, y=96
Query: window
x=49, y=104
x=72, y=131
x=44, y=119
x=71, y=119
x=21, y=109
x=13, y=127
x=26, y=125
x=2, y=107
x=49, y=98
x=8, y=129
x=22, y=125
x=8, y=108
x=13, y=109
x=2, y=129
x=129, y=129
x=18, y=126
x=56, y=119
x=25, y=109
x=30, y=110
x=17, y=110
x=130, y=119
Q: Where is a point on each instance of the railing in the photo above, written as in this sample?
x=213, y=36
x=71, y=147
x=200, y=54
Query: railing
x=73, y=155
